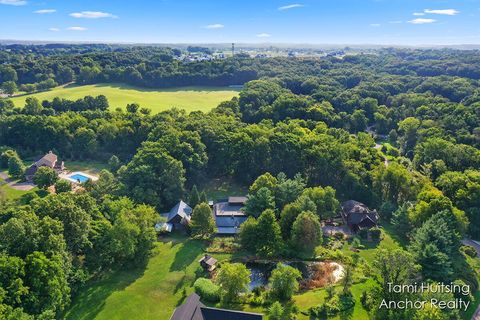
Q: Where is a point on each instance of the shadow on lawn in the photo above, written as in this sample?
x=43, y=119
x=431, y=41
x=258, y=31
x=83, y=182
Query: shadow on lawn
x=90, y=302
x=189, y=251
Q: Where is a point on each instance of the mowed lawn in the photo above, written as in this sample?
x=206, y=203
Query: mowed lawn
x=119, y=95
x=151, y=292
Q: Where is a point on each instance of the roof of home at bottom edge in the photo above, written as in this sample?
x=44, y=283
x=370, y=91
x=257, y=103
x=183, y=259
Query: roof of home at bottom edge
x=193, y=309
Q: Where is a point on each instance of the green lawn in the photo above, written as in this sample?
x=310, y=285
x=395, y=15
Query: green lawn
x=91, y=167
x=220, y=188
x=152, y=292
x=119, y=95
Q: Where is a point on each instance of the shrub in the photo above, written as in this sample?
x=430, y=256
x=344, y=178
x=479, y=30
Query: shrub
x=206, y=289
x=357, y=244
x=375, y=233
x=469, y=251
x=363, y=233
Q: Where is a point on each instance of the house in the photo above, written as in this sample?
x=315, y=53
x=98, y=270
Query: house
x=178, y=217
x=229, y=215
x=208, y=263
x=358, y=216
x=193, y=309
x=49, y=160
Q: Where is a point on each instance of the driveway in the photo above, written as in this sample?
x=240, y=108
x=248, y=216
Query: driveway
x=23, y=186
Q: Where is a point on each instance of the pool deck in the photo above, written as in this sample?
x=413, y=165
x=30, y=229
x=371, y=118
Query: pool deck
x=67, y=176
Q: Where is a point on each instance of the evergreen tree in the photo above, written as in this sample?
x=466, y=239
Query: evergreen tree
x=269, y=238
x=306, y=232
x=203, y=197
x=194, y=198
x=202, y=223
x=114, y=163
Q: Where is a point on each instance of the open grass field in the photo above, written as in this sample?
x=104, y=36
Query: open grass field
x=152, y=292
x=119, y=95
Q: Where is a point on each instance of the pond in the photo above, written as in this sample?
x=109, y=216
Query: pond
x=260, y=271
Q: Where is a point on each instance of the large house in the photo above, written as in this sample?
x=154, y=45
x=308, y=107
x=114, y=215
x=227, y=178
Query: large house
x=229, y=215
x=178, y=217
x=193, y=309
x=49, y=160
x=358, y=216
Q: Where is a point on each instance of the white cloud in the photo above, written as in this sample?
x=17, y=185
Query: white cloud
x=418, y=14
x=264, y=35
x=45, y=11
x=215, y=26
x=54, y=29
x=375, y=25
x=77, y=29
x=422, y=21
x=14, y=2
x=92, y=15
x=448, y=12
x=290, y=6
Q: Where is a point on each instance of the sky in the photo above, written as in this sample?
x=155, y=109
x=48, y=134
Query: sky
x=384, y=22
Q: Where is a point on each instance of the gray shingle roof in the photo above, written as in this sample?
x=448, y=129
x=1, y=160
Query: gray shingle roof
x=181, y=209
x=193, y=309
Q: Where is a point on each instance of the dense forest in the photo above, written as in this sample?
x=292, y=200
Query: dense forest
x=308, y=123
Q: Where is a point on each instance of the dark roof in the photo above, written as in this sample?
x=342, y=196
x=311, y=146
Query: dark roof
x=181, y=209
x=355, y=213
x=31, y=170
x=231, y=221
x=227, y=209
x=189, y=310
x=193, y=309
x=222, y=314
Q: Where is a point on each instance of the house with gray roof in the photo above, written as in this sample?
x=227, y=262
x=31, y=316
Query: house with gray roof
x=177, y=218
x=193, y=309
x=358, y=216
x=229, y=215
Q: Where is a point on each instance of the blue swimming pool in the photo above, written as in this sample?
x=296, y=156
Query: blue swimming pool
x=79, y=178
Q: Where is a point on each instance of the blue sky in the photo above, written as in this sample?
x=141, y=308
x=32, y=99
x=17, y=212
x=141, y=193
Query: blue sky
x=414, y=22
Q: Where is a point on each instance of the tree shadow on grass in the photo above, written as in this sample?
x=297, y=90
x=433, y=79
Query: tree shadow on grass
x=188, y=252
x=90, y=301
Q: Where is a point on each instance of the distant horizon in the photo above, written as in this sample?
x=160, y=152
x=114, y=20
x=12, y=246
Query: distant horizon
x=280, y=45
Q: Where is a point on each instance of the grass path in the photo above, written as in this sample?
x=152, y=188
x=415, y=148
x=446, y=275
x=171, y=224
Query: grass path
x=119, y=95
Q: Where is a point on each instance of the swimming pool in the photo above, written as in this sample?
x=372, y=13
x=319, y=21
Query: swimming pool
x=79, y=178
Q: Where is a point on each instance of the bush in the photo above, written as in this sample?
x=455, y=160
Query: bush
x=337, y=303
x=375, y=233
x=357, y=244
x=363, y=233
x=469, y=251
x=206, y=289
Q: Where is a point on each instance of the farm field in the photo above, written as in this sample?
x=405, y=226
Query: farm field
x=119, y=95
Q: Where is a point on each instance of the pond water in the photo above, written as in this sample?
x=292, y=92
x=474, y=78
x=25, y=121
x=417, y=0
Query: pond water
x=260, y=271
